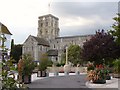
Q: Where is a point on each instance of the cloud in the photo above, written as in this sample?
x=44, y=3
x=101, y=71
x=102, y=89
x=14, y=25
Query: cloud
x=76, y=21
x=78, y=18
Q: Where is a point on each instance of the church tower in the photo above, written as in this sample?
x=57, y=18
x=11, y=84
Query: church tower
x=48, y=27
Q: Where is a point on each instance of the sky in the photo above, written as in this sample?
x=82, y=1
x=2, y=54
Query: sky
x=76, y=17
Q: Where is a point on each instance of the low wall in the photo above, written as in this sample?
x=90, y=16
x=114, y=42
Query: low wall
x=61, y=69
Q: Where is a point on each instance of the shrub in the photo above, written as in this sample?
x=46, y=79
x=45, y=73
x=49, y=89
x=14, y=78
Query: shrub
x=90, y=66
x=26, y=65
x=117, y=66
x=43, y=62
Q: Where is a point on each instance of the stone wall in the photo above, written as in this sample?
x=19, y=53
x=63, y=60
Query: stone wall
x=73, y=69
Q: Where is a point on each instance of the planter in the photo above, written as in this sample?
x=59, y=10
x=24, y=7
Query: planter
x=66, y=73
x=77, y=73
x=26, y=79
x=103, y=81
x=56, y=73
x=41, y=74
x=108, y=77
x=116, y=75
x=20, y=78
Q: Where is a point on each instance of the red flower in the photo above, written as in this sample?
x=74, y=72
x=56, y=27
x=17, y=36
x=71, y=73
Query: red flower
x=97, y=66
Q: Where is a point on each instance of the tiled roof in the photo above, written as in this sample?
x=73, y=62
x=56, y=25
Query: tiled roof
x=4, y=29
x=41, y=41
x=52, y=53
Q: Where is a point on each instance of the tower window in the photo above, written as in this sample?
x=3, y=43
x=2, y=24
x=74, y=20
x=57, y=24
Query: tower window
x=41, y=24
x=46, y=23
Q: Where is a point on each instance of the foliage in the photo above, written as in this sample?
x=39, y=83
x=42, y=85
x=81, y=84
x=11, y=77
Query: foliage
x=100, y=49
x=100, y=73
x=74, y=52
x=12, y=46
x=7, y=74
x=90, y=66
x=63, y=59
x=116, y=28
x=28, y=64
x=95, y=75
x=16, y=52
x=43, y=62
x=8, y=77
x=50, y=63
x=117, y=66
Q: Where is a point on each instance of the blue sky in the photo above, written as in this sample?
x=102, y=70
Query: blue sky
x=76, y=17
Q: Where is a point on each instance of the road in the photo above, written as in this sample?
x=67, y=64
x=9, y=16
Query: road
x=73, y=81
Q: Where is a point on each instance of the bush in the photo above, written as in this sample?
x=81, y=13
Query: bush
x=90, y=66
x=27, y=65
x=43, y=62
x=117, y=66
x=96, y=75
x=50, y=63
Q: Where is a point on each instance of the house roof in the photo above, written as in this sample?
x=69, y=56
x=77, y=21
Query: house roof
x=4, y=29
x=52, y=53
x=41, y=41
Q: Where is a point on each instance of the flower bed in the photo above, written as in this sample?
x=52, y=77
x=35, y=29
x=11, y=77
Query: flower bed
x=99, y=75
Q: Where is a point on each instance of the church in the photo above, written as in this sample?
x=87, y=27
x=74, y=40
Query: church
x=49, y=41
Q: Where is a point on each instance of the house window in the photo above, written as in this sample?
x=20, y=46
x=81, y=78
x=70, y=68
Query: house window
x=46, y=48
x=40, y=48
x=56, y=58
x=54, y=46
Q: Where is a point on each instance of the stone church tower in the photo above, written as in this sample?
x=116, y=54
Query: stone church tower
x=48, y=27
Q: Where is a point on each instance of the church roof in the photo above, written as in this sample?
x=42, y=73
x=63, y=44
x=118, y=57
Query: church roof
x=4, y=29
x=52, y=53
x=41, y=41
x=74, y=36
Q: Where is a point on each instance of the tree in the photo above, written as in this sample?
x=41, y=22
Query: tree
x=116, y=28
x=16, y=52
x=12, y=46
x=74, y=52
x=7, y=74
x=100, y=49
x=43, y=62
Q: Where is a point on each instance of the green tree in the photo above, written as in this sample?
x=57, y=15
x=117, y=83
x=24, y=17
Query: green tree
x=43, y=62
x=28, y=64
x=74, y=54
x=8, y=77
x=16, y=52
x=116, y=28
x=12, y=46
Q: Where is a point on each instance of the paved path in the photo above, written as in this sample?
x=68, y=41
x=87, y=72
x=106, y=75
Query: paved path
x=73, y=81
